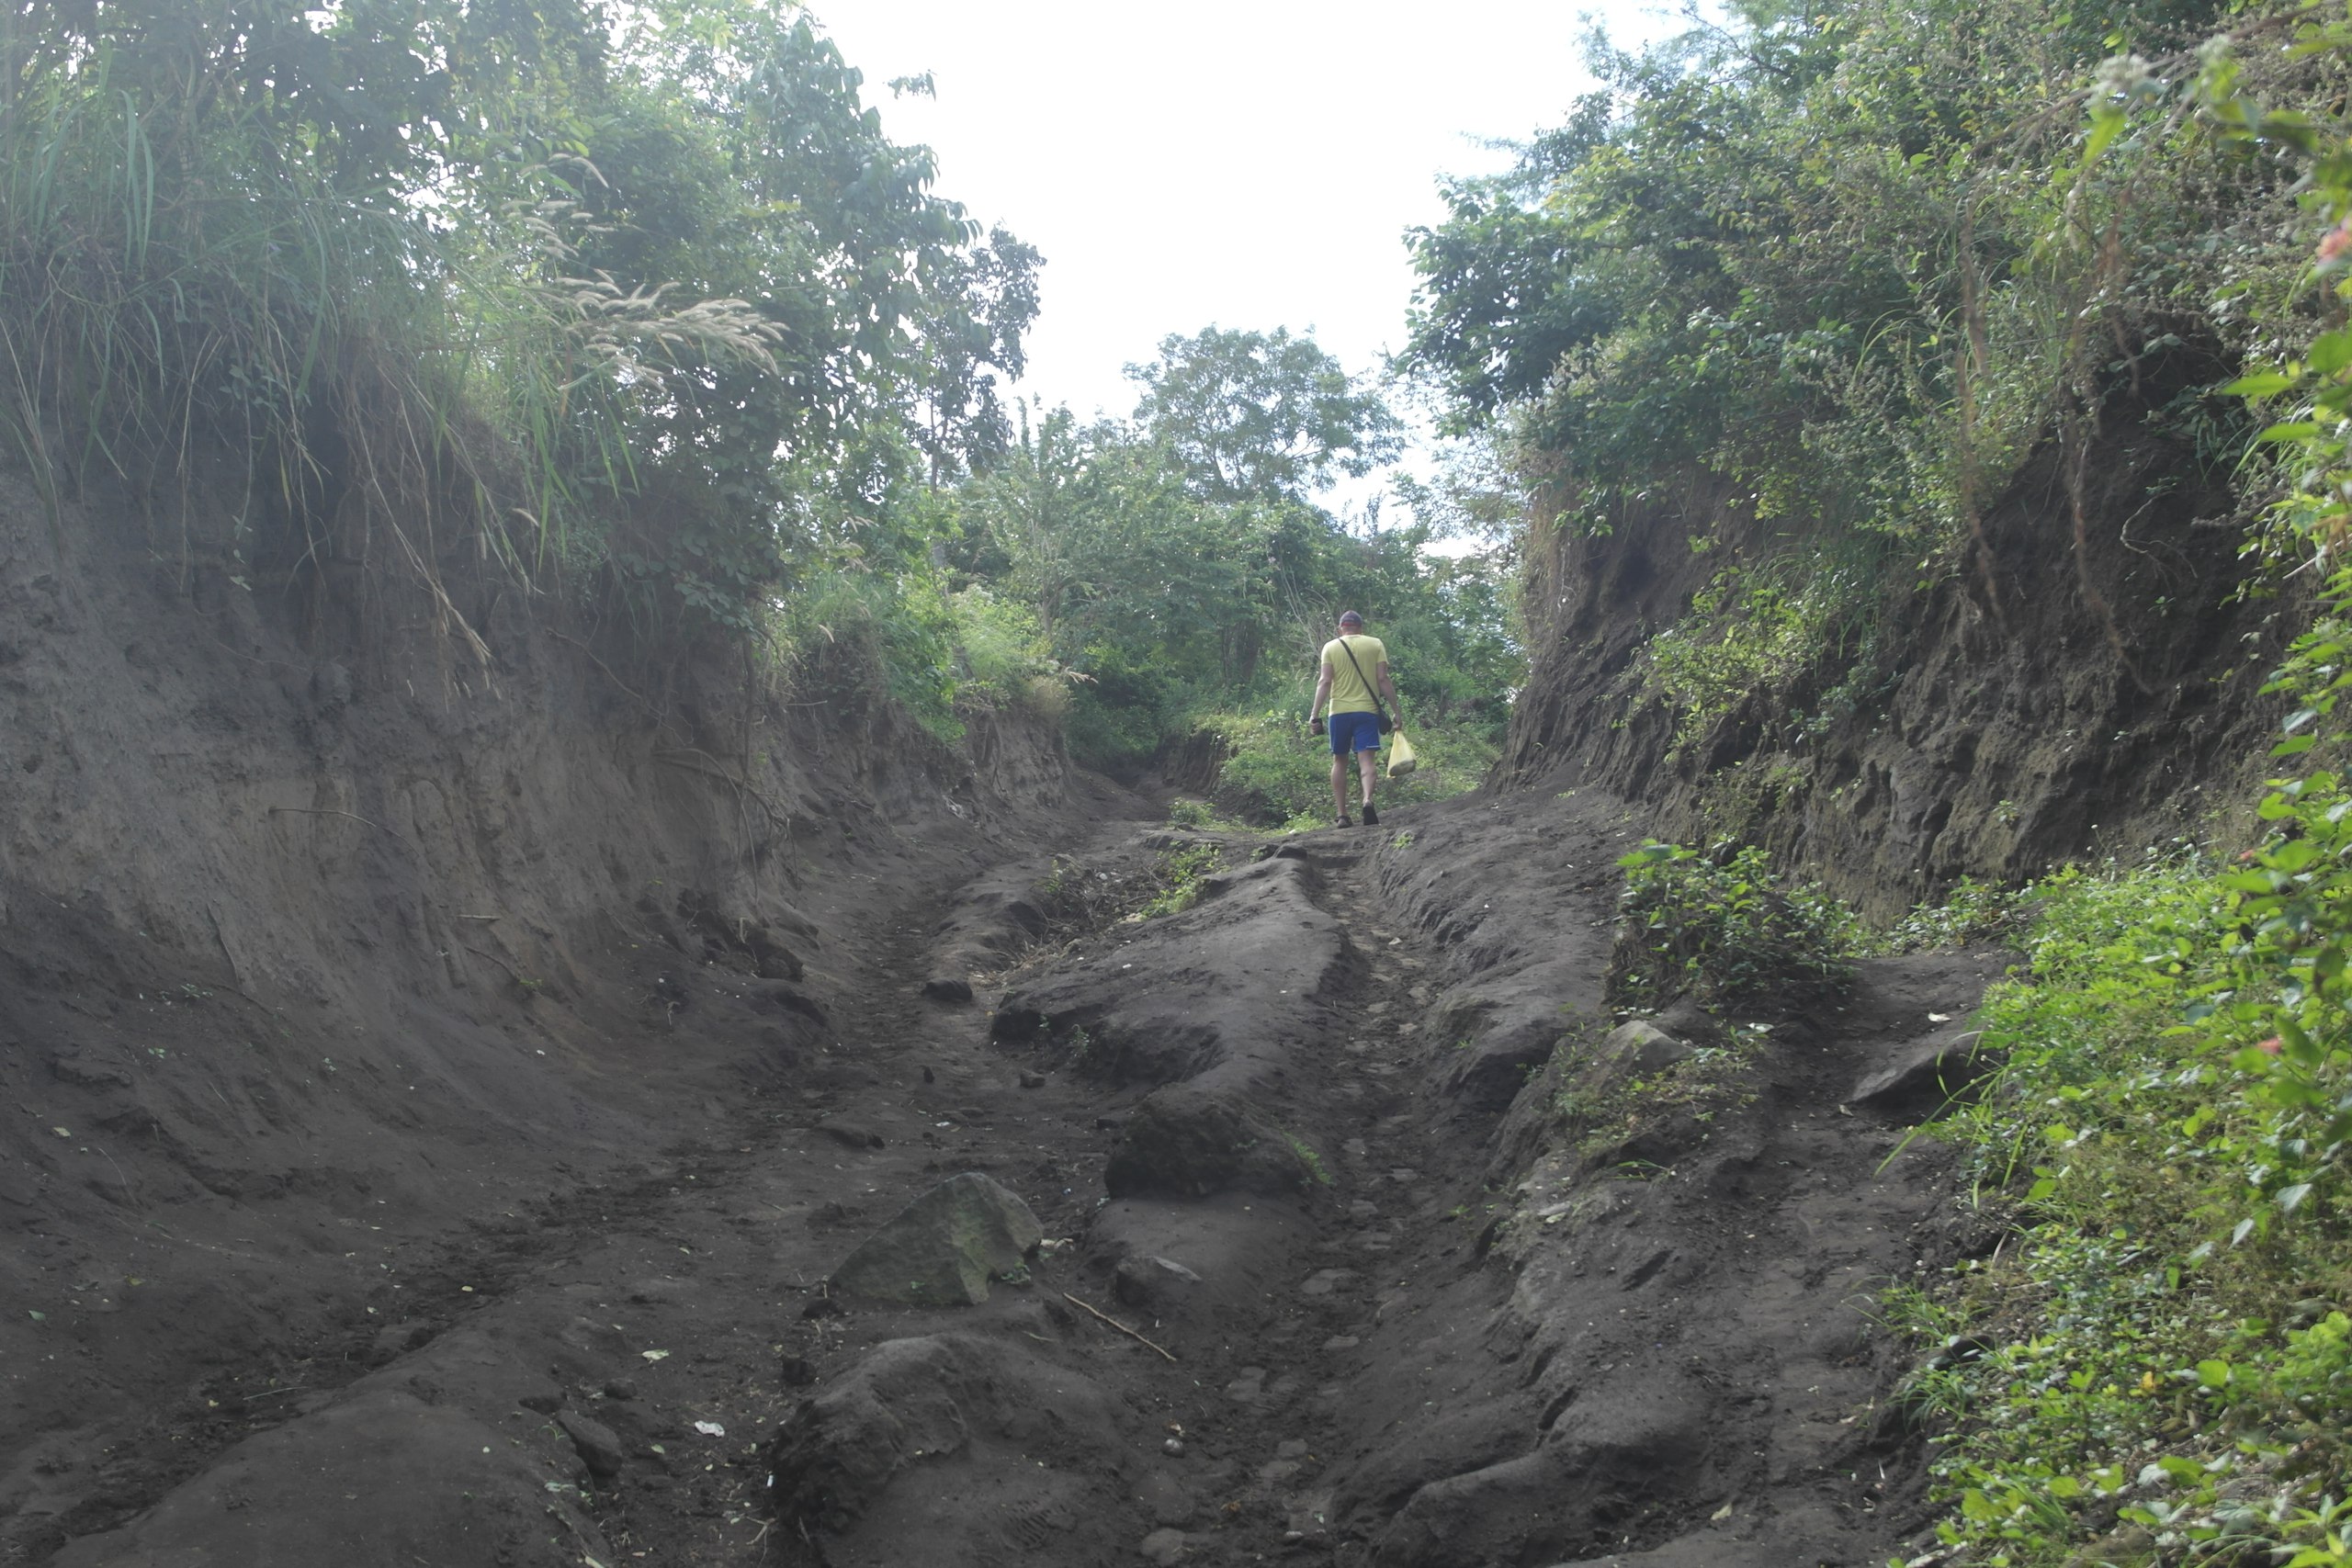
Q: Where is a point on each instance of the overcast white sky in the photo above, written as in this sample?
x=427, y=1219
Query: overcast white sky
x=1250, y=163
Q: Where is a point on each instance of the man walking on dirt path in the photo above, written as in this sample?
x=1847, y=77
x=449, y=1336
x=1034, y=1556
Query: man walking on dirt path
x=1354, y=678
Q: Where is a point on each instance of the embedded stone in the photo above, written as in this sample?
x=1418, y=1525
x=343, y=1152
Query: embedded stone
x=945, y=1247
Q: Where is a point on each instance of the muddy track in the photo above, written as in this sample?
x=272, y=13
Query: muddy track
x=1374, y=1299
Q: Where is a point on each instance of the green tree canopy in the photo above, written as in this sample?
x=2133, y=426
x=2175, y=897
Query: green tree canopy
x=1264, y=414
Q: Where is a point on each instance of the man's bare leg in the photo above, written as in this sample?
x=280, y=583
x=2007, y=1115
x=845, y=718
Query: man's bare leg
x=1367, y=769
x=1339, y=787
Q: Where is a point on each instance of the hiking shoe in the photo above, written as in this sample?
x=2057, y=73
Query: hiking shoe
x=1371, y=817
x=1342, y=822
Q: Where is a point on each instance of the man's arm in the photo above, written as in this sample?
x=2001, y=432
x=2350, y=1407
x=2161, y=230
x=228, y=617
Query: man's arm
x=1387, y=686
x=1322, y=691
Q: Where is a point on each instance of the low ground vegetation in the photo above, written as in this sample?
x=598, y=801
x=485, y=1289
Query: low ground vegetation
x=2153, y=1365
x=1724, y=929
x=1277, y=775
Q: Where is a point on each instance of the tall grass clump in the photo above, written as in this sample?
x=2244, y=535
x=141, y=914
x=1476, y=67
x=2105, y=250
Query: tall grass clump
x=196, y=261
x=1723, y=928
x=461, y=284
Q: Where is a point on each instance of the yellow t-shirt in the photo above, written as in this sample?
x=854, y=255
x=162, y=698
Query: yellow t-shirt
x=1350, y=692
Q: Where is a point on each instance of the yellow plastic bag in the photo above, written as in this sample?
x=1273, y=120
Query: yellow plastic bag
x=1401, y=760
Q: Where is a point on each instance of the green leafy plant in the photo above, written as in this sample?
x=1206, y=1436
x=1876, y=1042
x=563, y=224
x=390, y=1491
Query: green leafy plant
x=1971, y=911
x=1727, y=929
x=1318, y=1173
x=1179, y=875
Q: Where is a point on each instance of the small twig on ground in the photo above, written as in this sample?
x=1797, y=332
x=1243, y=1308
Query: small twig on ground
x=512, y=972
x=127, y=1189
x=1117, y=1324
x=694, y=759
x=315, y=811
x=626, y=689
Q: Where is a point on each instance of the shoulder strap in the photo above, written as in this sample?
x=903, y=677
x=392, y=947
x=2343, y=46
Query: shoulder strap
x=1370, y=689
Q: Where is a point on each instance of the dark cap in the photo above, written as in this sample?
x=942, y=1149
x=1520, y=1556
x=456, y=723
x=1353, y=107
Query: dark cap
x=1350, y=619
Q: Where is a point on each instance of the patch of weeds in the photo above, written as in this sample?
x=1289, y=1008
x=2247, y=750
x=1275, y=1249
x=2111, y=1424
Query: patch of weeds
x=2163, y=1345
x=1316, y=1171
x=1075, y=896
x=1605, y=1122
x=1721, y=927
x=1199, y=815
x=1402, y=842
x=1603, y=1115
x=1972, y=912
x=1180, y=874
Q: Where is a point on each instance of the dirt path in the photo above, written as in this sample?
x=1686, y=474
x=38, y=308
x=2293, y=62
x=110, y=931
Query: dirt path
x=1306, y=1139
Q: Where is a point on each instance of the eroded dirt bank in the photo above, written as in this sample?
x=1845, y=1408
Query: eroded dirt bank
x=2078, y=686
x=332, y=964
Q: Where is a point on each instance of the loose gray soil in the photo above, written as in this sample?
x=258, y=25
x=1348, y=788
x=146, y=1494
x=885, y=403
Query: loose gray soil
x=1305, y=1138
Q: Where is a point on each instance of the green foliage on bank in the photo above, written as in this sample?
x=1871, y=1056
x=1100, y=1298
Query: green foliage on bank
x=1832, y=274
x=635, y=314
x=1723, y=929
x=638, y=303
x=2163, y=1362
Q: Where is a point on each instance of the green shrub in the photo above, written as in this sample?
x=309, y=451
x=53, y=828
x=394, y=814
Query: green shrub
x=1178, y=878
x=1727, y=932
x=2162, y=1340
x=1972, y=912
x=1279, y=775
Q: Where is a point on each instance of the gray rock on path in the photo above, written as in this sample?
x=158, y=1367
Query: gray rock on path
x=600, y=1449
x=1188, y=1142
x=1641, y=1047
x=1151, y=1283
x=1164, y=1548
x=1033, y=1443
x=849, y=1134
x=1932, y=1069
x=944, y=1248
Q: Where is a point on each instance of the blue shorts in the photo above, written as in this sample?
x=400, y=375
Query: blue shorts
x=1354, y=732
